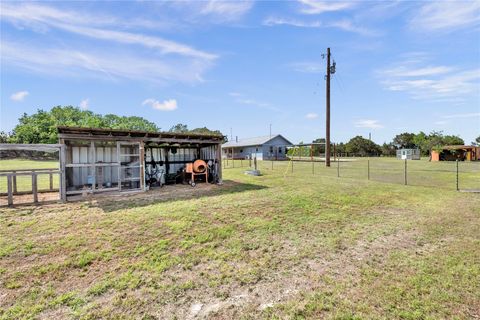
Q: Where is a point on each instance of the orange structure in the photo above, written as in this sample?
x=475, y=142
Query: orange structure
x=452, y=153
x=197, y=168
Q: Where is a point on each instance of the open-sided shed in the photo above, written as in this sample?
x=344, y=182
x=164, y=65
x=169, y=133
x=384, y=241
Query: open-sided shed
x=103, y=160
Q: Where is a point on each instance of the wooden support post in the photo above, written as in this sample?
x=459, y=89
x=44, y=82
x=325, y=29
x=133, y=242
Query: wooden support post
x=10, y=190
x=143, y=185
x=63, y=173
x=14, y=182
x=50, y=175
x=92, y=160
x=119, y=178
x=34, y=187
x=219, y=159
x=327, y=113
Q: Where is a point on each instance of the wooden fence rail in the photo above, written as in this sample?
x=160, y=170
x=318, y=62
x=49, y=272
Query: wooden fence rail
x=34, y=173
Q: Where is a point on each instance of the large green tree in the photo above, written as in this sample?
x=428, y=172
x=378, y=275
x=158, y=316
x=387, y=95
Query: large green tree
x=404, y=140
x=389, y=149
x=183, y=128
x=434, y=140
x=363, y=147
x=41, y=127
x=477, y=141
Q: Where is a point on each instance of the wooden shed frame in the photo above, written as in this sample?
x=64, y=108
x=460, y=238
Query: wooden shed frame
x=208, y=145
x=138, y=140
x=12, y=174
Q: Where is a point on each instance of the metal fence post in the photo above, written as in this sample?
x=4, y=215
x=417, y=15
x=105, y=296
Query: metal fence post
x=457, y=174
x=405, y=170
x=338, y=169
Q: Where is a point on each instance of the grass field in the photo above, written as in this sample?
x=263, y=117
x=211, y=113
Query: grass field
x=281, y=246
x=24, y=183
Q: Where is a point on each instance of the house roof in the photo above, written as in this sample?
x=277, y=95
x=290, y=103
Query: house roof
x=256, y=141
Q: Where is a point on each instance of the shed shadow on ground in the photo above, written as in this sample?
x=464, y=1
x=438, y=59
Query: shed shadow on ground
x=170, y=193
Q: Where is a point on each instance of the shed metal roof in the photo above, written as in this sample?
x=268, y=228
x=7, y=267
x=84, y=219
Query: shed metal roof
x=255, y=141
x=115, y=134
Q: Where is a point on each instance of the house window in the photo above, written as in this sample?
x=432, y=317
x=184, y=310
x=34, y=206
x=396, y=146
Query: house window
x=271, y=149
x=279, y=149
x=256, y=149
x=241, y=150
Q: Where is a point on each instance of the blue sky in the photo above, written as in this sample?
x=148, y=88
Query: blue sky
x=401, y=65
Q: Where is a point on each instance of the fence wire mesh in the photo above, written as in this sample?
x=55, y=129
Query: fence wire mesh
x=442, y=174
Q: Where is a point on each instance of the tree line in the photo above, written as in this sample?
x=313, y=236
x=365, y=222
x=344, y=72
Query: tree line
x=364, y=147
x=41, y=127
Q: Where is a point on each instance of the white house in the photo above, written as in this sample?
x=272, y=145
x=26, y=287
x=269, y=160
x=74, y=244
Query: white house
x=263, y=148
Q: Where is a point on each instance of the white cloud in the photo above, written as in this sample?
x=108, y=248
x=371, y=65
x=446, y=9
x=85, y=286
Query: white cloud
x=349, y=26
x=167, y=105
x=309, y=67
x=273, y=21
x=226, y=10
x=253, y=102
x=403, y=71
x=240, y=98
x=446, y=16
x=19, y=96
x=371, y=124
x=84, y=104
x=462, y=115
x=345, y=25
x=160, y=59
x=112, y=66
x=317, y=7
x=311, y=115
x=434, y=83
x=30, y=14
x=441, y=122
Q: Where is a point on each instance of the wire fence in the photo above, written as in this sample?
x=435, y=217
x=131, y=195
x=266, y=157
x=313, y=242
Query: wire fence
x=452, y=175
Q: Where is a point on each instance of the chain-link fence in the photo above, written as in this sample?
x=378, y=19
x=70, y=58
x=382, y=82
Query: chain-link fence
x=452, y=175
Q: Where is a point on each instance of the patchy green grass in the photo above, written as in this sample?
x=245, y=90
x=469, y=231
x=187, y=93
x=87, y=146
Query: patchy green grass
x=279, y=246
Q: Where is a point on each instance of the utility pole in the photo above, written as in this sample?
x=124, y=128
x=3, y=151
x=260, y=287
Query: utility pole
x=270, y=131
x=327, y=126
